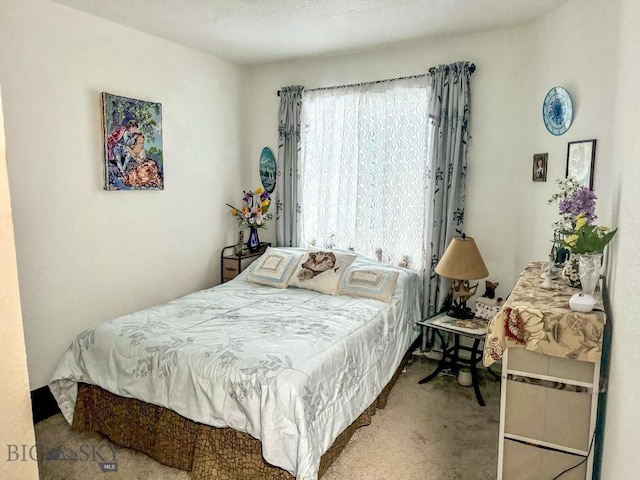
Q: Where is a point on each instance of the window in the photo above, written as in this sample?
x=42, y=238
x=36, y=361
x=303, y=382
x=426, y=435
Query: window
x=363, y=169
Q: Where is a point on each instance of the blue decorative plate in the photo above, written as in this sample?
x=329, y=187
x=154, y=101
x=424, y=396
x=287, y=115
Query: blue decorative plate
x=557, y=111
x=268, y=169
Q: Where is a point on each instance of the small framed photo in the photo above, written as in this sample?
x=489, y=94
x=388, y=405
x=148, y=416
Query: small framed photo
x=581, y=159
x=540, y=167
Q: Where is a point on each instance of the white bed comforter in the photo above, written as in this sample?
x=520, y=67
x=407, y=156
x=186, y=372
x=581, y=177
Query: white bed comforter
x=292, y=368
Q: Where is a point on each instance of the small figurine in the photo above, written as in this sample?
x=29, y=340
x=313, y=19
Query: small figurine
x=240, y=247
x=547, y=284
x=490, y=289
x=463, y=291
x=405, y=262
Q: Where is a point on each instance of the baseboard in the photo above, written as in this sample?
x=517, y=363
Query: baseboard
x=43, y=405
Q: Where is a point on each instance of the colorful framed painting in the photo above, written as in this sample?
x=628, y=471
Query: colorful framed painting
x=133, y=158
x=581, y=159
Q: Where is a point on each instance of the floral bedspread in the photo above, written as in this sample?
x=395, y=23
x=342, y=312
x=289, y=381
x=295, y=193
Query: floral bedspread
x=293, y=368
x=540, y=320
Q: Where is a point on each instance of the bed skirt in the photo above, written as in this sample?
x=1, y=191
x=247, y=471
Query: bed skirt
x=207, y=452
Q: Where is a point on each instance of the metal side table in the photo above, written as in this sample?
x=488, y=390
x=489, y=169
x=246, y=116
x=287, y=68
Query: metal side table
x=475, y=329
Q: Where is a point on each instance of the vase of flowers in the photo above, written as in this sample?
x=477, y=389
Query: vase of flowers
x=560, y=254
x=589, y=271
x=253, y=243
x=584, y=240
x=587, y=242
x=253, y=214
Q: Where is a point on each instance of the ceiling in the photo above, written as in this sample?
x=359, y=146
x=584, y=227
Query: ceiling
x=252, y=32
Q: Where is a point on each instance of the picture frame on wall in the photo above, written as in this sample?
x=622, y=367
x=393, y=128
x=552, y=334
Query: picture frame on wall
x=581, y=159
x=133, y=152
x=540, y=167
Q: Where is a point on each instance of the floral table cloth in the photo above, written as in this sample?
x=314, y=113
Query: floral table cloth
x=540, y=320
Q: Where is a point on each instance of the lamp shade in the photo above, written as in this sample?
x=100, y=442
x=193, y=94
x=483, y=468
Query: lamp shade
x=462, y=260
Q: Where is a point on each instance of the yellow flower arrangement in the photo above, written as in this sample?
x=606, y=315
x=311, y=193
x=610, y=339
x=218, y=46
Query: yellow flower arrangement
x=587, y=238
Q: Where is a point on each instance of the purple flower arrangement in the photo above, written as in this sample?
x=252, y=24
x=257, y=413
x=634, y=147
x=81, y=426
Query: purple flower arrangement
x=583, y=200
x=577, y=207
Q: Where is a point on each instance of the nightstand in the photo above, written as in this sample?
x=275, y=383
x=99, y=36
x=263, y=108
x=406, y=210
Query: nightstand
x=475, y=329
x=232, y=264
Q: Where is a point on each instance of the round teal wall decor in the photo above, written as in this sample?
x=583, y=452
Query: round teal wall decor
x=557, y=110
x=268, y=170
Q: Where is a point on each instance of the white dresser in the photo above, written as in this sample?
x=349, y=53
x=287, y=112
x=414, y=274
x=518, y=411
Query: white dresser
x=550, y=381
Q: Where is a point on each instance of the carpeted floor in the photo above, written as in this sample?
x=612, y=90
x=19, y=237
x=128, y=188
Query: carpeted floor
x=435, y=431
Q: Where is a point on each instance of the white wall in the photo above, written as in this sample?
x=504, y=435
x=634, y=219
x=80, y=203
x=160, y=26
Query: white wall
x=16, y=427
x=571, y=55
x=622, y=436
x=500, y=89
x=86, y=255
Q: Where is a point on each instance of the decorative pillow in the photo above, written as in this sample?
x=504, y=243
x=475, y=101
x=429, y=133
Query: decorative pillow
x=369, y=283
x=321, y=270
x=274, y=268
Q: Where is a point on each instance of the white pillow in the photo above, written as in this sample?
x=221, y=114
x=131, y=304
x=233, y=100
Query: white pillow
x=274, y=268
x=321, y=270
x=368, y=282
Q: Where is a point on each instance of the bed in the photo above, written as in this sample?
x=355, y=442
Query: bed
x=289, y=371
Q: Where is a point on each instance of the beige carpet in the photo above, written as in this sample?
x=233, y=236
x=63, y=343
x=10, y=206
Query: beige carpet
x=435, y=431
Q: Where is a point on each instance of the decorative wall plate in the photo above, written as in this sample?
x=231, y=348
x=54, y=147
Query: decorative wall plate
x=557, y=110
x=268, y=169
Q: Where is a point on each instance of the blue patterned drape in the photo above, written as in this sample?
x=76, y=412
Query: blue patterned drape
x=448, y=131
x=287, y=207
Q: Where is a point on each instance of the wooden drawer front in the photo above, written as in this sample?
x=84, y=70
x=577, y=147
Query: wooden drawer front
x=532, y=362
x=556, y=416
x=525, y=462
x=248, y=261
x=229, y=269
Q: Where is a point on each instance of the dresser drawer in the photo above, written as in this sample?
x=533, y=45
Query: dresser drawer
x=527, y=462
x=547, y=414
x=532, y=362
x=231, y=264
x=229, y=269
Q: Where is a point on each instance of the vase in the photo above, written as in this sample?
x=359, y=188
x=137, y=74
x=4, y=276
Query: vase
x=571, y=271
x=589, y=271
x=253, y=243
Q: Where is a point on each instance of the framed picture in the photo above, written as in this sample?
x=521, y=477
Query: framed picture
x=581, y=159
x=133, y=158
x=540, y=167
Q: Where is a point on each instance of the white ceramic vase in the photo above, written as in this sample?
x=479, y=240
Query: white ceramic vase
x=589, y=271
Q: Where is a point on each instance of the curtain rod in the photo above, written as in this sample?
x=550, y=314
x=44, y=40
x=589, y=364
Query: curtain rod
x=472, y=69
x=361, y=84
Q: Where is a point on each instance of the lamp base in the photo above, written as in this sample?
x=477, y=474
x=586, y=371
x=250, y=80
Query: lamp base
x=461, y=312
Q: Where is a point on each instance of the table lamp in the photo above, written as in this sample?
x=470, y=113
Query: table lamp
x=462, y=262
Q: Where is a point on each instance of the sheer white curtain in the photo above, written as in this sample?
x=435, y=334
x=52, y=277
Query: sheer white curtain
x=363, y=175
